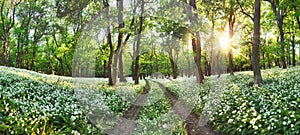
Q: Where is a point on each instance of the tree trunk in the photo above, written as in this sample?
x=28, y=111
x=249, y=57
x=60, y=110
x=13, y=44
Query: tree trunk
x=196, y=43
x=115, y=66
x=4, y=53
x=293, y=50
x=298, y=21
x=282, y=55
x=133, y=59
x=27, y=60
x=255, y=47
x=121, y=66
x=138, y=42
x=279, y=13
x=231, y=26
x=269, y=60
x=174, y=68
x=62, y=69
x=263, y=57
x=120, y=51
x=33, y=56
x=104, y=69
x=20, y=52
x=111, y=81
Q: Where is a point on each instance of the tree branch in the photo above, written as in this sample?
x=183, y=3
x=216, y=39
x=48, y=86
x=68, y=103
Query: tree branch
x=243, y=11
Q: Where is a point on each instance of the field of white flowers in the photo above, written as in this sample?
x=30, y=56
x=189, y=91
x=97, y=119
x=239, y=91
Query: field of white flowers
x=273, y=108
x=33, y=103
x=233, y=106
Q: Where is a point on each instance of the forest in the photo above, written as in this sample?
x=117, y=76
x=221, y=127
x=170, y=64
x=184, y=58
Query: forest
x=150, y=67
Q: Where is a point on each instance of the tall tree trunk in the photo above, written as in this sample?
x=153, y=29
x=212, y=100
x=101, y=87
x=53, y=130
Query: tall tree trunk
x=212, y=47
x=138, y=42
x=156, y=62
x=279, y=13
x=293, y=50
x=173, y=63
x=111, y=74
x=231, y=26
x=151, y=66
x=196, y=43
x=27, y=60
x=19, y=55
x=104, y=68
x=62, y=69
x=133, y=59
x=289, y=60
x=207, y=66
x=120, y=41
x=282, y=54
x=33, y=56
x=263, y=57
x=255, y=47
x=269, y=59
x=174, y=68
x=121, y=66
x=115, y=66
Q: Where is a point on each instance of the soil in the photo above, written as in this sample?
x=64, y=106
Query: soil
x=127, y=124
x=193, y=125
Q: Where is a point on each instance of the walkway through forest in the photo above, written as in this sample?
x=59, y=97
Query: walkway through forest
x=193, y=125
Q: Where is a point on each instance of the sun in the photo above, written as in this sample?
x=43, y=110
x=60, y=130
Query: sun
x=224, y=41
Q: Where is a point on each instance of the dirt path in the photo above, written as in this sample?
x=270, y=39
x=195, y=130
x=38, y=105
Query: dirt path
x=193, y=125
x=128, y=122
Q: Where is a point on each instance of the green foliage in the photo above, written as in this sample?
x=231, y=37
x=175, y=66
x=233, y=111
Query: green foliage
x=33, y=103
x=270, y=109
x=157, y=116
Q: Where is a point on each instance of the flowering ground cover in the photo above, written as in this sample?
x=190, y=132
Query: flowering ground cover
x=33, y=103
x=233, y=106
x=273, y=108
x=157, y=116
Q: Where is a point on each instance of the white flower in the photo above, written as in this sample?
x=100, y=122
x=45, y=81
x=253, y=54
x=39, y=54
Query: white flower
x=244, y=120
x=258, y=117
x=230, y=120
x=73, y=118
x=284, y=123
x=252, y=122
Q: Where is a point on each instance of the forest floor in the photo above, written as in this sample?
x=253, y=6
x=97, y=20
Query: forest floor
x=193, y=125
x=34, y=103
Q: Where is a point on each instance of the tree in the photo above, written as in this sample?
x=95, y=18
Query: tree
x=138, y=43
x=231, y=21
x=256, y=41
x=255, y=46
x=280, y=10
x=7, y=11
x=196, y=42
